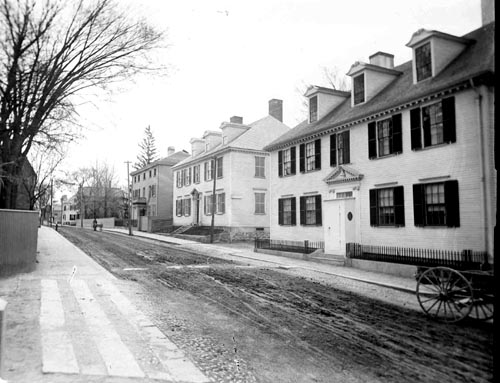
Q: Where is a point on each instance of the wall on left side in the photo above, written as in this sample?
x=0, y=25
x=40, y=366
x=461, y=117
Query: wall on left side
x=18, y=240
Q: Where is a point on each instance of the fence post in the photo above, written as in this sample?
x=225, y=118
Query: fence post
x=3, y=305
x=306, y=246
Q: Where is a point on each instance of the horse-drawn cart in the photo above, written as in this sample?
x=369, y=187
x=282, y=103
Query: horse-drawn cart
x=450, y=295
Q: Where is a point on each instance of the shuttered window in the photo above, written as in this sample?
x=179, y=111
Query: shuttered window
x=310, y=210
x=433, y=124
x=387, y=207
x=385, y=137
x=313, y=109
x=287, y=211
x=340, y=148
x=423, y=62
x=286, y=162
x=436, y=204
x=310, y=156
x=359, y=89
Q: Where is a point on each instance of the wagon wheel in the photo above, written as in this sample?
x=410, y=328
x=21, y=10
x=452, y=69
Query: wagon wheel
x=483, y=306
x=444, y=294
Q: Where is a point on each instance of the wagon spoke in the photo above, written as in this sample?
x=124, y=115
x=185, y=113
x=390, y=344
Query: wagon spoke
x=434, y=297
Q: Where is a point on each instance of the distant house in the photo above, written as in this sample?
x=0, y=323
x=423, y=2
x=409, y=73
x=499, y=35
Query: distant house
x=152, y=193
x=404, y=159
x=228, y=174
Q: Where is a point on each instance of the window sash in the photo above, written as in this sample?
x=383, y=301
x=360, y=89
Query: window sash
x=220, y=167
x=432, y=121
x=221, y=203
x=385, y=137
x=310, y=156
x=311, y=210
x=196, y=174
x=260, y=203
x=359, y=89
x=260, y=167
x=287, y=162
x=423, y=62
x=435, y=208
x=287, y=211
x=313, y=109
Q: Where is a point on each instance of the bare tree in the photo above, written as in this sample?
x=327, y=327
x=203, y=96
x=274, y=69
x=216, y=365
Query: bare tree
x=44, y=161
x=332, y=78
x=50, y=52
x=147, y=153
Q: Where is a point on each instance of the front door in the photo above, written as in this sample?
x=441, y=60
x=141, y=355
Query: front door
x=196, y=207
x=340, y=227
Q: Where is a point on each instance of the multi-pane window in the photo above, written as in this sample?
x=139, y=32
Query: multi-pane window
x=423, y=62
x=179, y=179
x=435, y=123
x=186, y=176
x=387, y=207
x=339, y=148
x=150, y=173
x=178, y=207
x=287, y=211
x=436, y=204
x=144, y=175
x=286, y=162
x=359, y=89
x=208, y=199
x=432, y=120
x=260, y=167
x=310, y=210
x=260, y=203
x=209, y=171
x=220, y=167
x=385, y=137
x=221, y=203
x=186, y=208
x=310, y=156
x=313, y=109
x=196, y=174
x=153, y=191
x=154, y=172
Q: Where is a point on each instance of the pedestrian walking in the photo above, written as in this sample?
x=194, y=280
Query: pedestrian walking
x=94, y=224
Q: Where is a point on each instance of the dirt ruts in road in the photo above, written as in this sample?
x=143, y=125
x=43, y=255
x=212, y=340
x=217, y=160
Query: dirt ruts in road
x=332, y=329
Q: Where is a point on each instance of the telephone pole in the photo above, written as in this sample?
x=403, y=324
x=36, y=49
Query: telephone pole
x=129, y=201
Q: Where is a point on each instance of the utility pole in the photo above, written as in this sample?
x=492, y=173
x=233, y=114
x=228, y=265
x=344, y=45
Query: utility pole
x=51, y=201
x=81, y=204
x=214, y=176
x=129, y=201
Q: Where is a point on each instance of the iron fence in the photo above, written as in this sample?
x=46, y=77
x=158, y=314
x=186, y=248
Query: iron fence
x=461, y=260
x=305, y=247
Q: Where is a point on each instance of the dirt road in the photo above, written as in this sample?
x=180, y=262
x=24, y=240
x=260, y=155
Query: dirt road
x=262, y=324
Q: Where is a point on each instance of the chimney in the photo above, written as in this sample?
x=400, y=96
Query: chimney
x=385, y=60
x=487, y=11
x=170, y=151
x=236, y=120
x=276, y=109
x=197, y=146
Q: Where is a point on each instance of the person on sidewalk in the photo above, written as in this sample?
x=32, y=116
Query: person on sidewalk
x=94, y=224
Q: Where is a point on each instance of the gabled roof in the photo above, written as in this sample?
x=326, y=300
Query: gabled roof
x=259, y=134
x=169, y=161
x=475, y=61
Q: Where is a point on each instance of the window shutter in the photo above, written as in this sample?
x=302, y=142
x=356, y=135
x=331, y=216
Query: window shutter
x=452, y=203
x=399, y=205
x=302, y=159
x=373, y=207
x=280, y=163
x=333, y=150
x=293, y=160
x=317, y=154
x=418, y=205
x=294, y=211
x=280, y=212
x=416, y=134
x=302, y=210
x=372, y=140
x=205, y=171
x=347, y=147
x=189, y=176
x=212, y=170
x=318, y=210
x=397, y=136
x=449, y=128
x=426, y=126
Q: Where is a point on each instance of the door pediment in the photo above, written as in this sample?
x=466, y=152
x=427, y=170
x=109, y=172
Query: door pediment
x=343, y=174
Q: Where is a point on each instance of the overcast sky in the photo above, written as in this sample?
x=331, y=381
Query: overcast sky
x=231, y=57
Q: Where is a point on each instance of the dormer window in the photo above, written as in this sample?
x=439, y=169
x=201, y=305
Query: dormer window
x=359, y=89
x=423, y=62
x=313, y=109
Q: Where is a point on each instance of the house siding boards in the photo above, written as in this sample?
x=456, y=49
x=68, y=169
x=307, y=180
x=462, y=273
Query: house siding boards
x=462, y=161
x=239, y=183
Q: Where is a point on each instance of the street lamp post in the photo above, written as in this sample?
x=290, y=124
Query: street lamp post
x=129, y=201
